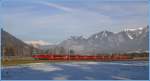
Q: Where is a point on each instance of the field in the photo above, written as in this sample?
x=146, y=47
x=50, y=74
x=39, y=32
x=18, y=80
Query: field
x=62, y=58
x=126, y=70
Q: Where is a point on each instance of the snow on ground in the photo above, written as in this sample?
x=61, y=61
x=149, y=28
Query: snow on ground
x=135, y=70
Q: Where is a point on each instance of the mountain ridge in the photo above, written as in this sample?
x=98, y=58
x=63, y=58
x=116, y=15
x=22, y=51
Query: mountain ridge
x=125, y=41
x=109, y=42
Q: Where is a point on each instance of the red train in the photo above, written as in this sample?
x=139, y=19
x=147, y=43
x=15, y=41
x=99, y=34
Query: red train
x=81, y=57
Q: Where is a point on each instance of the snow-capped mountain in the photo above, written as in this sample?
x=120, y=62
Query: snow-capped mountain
x=37, y=43
x=127, y=40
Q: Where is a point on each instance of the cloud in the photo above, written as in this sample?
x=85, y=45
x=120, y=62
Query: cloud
x=74, y=23
x=124, y=9
x=60, y=25
x=30, y=23
x=67, y=9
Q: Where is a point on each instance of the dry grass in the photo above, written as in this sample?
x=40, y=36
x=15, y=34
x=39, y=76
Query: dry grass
x=26, y=60
x=17, y=61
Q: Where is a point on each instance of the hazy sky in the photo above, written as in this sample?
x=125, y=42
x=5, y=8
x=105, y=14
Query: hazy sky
x=56, y=20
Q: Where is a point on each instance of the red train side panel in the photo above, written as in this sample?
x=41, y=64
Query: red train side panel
x=81, y=57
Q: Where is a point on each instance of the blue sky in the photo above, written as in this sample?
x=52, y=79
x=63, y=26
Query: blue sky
x=55, y=20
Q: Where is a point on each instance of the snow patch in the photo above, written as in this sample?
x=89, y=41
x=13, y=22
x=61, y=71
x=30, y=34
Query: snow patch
x=38, y=42
x=104, y=34
x=44, y=67
x=132, y=29
x=130, y=36
x=60, y=78
x=96, y=36
x=89, y=78
x=141, y=28
x=120, y=78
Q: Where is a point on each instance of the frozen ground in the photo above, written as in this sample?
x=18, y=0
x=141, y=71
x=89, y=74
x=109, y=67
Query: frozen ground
x=78, y=71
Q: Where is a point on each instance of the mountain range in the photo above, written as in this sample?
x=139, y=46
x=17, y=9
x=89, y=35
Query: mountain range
x=128, y=40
